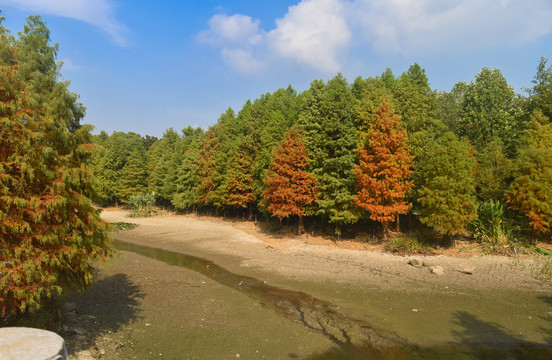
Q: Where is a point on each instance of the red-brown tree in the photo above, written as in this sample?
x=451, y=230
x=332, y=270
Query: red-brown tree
x=384, y=168
x=290, y=189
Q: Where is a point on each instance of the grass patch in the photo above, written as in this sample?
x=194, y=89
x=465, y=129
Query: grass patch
x=544, y=268
x=410, y=244
x=121, y=226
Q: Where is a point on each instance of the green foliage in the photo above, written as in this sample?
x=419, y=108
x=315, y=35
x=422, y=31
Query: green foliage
x=540, y=95
x=187, y=193
x=492, y=229
x=489, y=109
x=118, y=163
x=447, y=185
x=121, y=226
x=50, y=234
x=494, y=172
x=410, y=244
x=134, y=177
x=327, y=122
x=417, y=105
x=164, y=162
x=142, y=204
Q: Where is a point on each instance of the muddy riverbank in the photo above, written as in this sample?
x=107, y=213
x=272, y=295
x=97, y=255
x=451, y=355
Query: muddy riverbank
x=141, y=305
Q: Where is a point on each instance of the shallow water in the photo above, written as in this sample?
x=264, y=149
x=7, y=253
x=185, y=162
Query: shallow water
x=354, y=336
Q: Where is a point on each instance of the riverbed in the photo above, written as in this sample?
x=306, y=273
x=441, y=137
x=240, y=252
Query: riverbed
x=187, y=288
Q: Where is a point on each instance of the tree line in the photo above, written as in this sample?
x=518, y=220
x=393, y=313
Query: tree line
x=340, y=152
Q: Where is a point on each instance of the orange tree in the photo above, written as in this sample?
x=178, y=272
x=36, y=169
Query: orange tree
x=290, y=189
x=50, y=234
x=384, y=168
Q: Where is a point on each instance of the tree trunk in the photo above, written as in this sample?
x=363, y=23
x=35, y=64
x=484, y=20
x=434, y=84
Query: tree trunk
x=216, y=211
x=398, y=223
x=301, y=225
x=410, y=221
x=250, y=216
x=385, y=230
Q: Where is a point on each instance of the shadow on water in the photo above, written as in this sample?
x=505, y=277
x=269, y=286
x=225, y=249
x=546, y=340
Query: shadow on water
x=355, y=338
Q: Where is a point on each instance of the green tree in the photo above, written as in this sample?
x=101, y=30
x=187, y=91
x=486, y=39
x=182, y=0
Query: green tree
x=495, y=170
x=327, y=123
x=187, y=185
x=418, y=105
x=240, y=182
x=164, y=161
x=540, y=95
x=50, y=235
x=447, y=185
x=489, y=109
x=133, y=177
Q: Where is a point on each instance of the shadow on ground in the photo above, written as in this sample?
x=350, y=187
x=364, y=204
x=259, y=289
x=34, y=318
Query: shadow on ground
x=103, y=308
x=476, y=339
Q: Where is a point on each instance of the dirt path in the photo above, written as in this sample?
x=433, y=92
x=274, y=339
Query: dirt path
x=140, y=307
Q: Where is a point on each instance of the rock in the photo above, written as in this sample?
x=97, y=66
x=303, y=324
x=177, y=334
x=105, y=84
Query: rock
x=414, y=310
x=79, y=331
x=417, y=263
x=429, y=263
x=19, y=343
x=437, y=270
x=467, y=270
x=84, y=355
x=69, y=306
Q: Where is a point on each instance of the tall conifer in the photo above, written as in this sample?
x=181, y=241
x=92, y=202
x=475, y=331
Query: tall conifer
x=384, y=168
x=290, y=189
x=50, y=235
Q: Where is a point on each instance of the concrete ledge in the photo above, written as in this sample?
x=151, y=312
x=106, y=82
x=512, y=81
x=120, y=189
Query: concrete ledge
x=19, y=343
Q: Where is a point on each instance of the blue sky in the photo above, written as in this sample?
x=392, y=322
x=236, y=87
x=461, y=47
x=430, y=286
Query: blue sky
x=146, y=66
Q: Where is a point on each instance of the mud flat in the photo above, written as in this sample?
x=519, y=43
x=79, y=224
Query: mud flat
x=240, y=295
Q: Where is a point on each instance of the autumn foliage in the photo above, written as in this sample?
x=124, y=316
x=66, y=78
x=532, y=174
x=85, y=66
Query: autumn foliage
x=50, y=235
x=384, y=168
x=290, y=189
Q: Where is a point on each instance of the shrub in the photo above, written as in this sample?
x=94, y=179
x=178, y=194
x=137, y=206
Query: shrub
x=415, y=243
x=121, y=226
x=492, y=229
x=141, y=204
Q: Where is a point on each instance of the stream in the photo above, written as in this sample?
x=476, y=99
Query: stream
x=355, y=338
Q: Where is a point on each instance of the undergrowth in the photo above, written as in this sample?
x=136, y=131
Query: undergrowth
x=121, y=226
x=410, y=244
x=492, y=228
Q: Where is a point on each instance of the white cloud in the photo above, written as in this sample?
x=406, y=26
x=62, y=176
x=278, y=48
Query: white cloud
x=313, y=32
x=242, y=60
x=239, y=37
x=421, y=26
x=98, y=13
x=232, y=30
x=319, y=33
